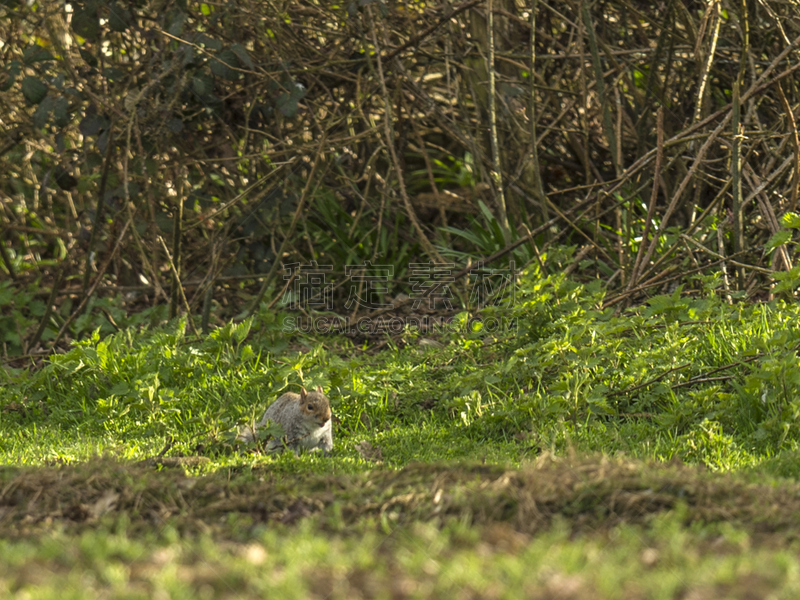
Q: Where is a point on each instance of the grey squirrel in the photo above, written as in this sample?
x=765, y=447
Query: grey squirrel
x=305, y=419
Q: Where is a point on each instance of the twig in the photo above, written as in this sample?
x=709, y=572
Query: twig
x=723, y=258
x=288, y=233
x=100, y=210
x=723, y=265
x=177, y=222
x=651, y=209
x=4, y=254
x=600, y=86
x=448, y=15
x=93, y=287
x=177, y=279
x=388, y=132
x=705, y=378
x=656, y=280
x=713, y=12
x=766, y=210
x=700, y=378
x=283, y=291
x=649, y=382
x=48, y=310
x=787, y=110
x=736, y=183
x=538, y=188
x=497, y=169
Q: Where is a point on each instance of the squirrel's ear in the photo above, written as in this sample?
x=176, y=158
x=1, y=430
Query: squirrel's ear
x=319, y=389
x=303, y=393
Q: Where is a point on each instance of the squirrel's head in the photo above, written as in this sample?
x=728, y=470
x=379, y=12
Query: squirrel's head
x=315, y=405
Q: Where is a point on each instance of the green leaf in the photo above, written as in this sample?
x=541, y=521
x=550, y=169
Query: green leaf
x=6, y=293
x=42, y=113
x=175, y=125
x=242, y=55
x=12, y=71
x=61, y=112
x=241, y=330
x=176, y=26
x=119, y=18
x=58, y=81
x=113, y=74
x=791, y=220
x=86, y=25
x=271, y=430
x=286, y=105
x=64, y=179
x=120, y=389
x=246, y=353
x=222, y=65
x=779, y=239
x=87, y=56
x=36, y=53
x=34, y=89
x=787, y=280
x=186, y=54
x=36, y=308
x=202, y=85
x=487, y=214
x=93, y=124
x=287, y=102
x=202, y=39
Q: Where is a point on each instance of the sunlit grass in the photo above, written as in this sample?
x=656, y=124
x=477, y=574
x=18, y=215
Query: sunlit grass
x=418, y=428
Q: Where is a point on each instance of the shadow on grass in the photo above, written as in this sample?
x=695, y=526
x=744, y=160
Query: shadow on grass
x=588, y=493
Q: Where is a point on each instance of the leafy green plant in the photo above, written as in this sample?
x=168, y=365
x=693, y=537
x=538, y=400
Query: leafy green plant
x=565, y=372
x=788, y=281
x=344, y=240
x=448, y=172
x=17, y=316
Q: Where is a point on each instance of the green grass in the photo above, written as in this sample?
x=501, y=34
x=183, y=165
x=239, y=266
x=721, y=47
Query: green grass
x=419, y=562
x=577, y=528
x=89, y=505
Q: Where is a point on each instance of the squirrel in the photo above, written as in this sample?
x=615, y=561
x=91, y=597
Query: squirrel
x=306, y=422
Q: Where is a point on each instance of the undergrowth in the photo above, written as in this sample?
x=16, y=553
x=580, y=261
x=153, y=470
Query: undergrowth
x=692, y=377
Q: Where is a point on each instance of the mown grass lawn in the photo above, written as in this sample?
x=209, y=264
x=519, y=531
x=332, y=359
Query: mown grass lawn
x=578, y=454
